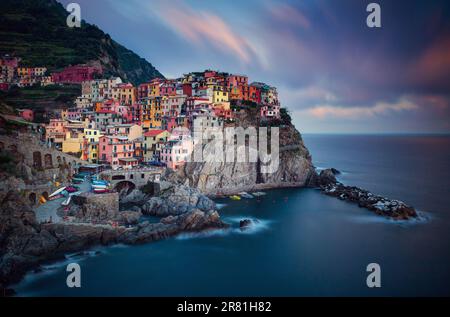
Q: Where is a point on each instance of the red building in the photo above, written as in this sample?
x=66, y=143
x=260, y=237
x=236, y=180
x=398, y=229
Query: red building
x=76, y=74
x=209, y=73
x=27, y=114
x=4, y=86
x=187, y=89
x=254, y=94
x=168, y=88
x=143, y=91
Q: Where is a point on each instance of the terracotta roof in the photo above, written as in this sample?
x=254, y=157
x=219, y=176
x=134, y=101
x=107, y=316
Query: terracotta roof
x=153, y=132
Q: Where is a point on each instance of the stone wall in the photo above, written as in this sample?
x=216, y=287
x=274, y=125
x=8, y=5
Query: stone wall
x=40, y=167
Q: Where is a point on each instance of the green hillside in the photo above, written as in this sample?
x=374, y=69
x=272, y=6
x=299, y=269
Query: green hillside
x=36, y=30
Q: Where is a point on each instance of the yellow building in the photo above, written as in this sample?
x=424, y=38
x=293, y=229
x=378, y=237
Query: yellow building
x=93, y=152
x=90, y=146
x=73, y=143
x=219, y=94
x=152, y=112
x=23, y=71
x=92, y=135
x=154, y=89
x=125, y=94
x=152, y=138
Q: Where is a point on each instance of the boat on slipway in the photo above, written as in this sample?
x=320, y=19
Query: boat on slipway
x=57, y=192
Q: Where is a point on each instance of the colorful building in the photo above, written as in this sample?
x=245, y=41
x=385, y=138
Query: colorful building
x=151, y=112
x=75, y=74
x=177, y=149
x=26, y=114
x=119, y=151
x=153, y=138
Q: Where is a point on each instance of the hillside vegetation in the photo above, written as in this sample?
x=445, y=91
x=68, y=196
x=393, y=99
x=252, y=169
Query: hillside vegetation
x=36, y=31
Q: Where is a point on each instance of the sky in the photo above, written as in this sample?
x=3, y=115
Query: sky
x=333, y=72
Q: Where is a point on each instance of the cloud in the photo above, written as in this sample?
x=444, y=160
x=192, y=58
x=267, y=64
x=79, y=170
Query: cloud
x=203, y=27
x=288, y=14
x=310, y=94
x=433, y=65
x=380, y=108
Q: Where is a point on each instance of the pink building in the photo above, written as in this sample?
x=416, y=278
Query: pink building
x=178, y=149
x=210, y=73
x=270, y=111
x=169, y=123
x=76, y=74
x=74, y=114
x=4, y=86
x=27, y=114
x=119, y=151
x=136, y=113
x=55, y=131
x=168, y=88
x=193, y=102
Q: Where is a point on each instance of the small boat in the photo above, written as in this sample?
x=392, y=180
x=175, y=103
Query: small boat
x=99, y=186
x=67, y=201
x=72, y=189
x=83, y=177
x=100, y=182
x=77, y=181
x=57, y=192
x=75, y=193
x=55, y=197
x=42, y=200
x=101, y=191
x=235, y=197
x=257, y=194
x=246, y=195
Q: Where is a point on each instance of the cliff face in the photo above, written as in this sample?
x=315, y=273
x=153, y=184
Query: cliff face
x=295, y=168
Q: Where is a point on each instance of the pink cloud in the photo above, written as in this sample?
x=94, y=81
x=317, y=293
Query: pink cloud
x=288, y=14
x=357, y=112
x=203, y=27
x=434, y=64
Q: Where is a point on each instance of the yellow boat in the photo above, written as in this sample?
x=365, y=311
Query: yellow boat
x=42, y=200
x=235, y=197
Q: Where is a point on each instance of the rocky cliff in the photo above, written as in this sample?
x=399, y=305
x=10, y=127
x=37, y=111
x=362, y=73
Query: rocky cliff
x=295, y=167
x=24, y=243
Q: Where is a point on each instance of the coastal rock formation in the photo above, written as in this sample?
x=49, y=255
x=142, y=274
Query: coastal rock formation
x=247, y=223
x=192, y=221
x=176, y=199
x=295, y=167
x=129, y=217
x=24, y=243
x=89, y=207
x=394, y=209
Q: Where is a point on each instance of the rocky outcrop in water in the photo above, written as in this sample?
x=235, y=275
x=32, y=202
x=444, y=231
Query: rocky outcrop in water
x=192, y=221
x=176, y=199
x=382, y=206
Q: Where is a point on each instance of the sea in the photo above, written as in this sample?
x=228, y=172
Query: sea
x=304, y=243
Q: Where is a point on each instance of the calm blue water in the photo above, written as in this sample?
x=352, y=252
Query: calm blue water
x=306, y=243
